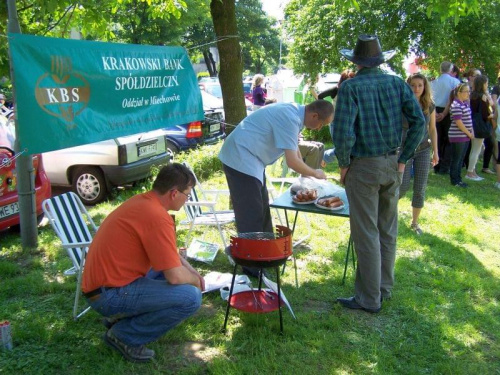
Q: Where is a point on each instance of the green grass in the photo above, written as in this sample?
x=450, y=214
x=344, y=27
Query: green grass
x=444, y=317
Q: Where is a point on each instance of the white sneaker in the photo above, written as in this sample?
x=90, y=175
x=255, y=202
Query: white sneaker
x=474, y=178
x=497, y=185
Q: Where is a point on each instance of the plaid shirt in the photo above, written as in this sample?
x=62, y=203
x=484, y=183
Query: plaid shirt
x=369, y=116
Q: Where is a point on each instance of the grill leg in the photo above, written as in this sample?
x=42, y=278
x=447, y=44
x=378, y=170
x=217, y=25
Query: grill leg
x=229, y=299
x=279, y=298
x=260, y=278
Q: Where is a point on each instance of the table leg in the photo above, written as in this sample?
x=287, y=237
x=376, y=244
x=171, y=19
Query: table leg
x=294, y=260
x=350, y=250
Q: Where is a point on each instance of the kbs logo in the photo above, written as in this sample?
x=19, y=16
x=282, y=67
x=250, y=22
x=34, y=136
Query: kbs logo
x=62, y=93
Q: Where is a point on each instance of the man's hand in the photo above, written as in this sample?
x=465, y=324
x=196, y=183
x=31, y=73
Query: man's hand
x=343, y=172
x=191, y=269
x=401, y=167
x=320, y=174
x=439, y=117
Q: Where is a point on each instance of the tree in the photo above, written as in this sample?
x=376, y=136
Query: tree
x=231, y=68
x=99, y=20
x=259, y=38
x=320, y=28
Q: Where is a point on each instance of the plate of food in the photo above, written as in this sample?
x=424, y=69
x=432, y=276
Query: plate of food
x=331, y=202
x=307, y=196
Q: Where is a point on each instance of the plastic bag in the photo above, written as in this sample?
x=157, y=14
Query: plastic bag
x=324, y=187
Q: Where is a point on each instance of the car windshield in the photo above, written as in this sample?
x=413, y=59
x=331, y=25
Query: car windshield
x=214, y=90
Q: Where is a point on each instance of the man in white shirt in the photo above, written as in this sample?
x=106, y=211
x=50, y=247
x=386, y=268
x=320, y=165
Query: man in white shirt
x=441, y=88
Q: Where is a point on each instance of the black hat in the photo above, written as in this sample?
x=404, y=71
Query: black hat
x=367, y=52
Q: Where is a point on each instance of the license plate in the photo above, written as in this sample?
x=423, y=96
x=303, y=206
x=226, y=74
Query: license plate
x=9, y=210
x=214, y=128
x=146, y=150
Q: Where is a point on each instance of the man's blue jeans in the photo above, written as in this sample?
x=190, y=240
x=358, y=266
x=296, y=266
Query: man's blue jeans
x=147, y=307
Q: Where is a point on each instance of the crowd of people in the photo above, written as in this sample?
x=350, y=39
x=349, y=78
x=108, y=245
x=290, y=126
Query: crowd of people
x=466, y=121
x=384, y=130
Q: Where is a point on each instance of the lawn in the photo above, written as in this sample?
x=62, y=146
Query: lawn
x=443, y=317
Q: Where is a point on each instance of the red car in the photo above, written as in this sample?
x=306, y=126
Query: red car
x=9, y=207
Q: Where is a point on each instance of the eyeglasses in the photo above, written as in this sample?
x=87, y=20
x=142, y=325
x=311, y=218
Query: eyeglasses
x=188, y=196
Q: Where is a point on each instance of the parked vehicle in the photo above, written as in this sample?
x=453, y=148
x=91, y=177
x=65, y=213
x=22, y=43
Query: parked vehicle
x=92, y=170
x=247, y=90
x=210, y=130
x=9, y=206
x=213, y=87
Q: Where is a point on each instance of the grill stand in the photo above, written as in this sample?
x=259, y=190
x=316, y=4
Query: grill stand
x=249, y=301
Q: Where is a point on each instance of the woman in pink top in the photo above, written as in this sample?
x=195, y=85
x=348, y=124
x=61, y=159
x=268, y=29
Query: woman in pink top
x=460, y=132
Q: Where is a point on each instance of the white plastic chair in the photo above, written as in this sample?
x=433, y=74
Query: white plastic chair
x=202, y=211
x=75, y=228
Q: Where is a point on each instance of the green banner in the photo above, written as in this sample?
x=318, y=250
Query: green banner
x=73, y=92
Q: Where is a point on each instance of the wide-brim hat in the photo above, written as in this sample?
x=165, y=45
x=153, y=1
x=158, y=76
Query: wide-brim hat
x=367, y=52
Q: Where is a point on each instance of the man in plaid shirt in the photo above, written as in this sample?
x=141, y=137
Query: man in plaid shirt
x=367, y=132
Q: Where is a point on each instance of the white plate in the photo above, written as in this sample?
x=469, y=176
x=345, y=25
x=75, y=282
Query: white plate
x=305, y=202
x=329, y=208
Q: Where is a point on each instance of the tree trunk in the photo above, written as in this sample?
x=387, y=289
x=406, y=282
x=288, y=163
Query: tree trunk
x=231, y=66
x=210, y=63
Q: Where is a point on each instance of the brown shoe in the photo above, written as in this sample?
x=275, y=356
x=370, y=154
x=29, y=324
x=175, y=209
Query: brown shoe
x=131, y=353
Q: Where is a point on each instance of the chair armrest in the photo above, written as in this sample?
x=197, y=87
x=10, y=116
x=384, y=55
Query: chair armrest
x=217, y=191
x=76, y=244
x=201, y=203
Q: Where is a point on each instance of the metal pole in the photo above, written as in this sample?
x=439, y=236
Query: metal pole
x=24, y=163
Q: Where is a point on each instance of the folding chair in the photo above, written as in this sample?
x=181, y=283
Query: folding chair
x=74, y=227
x=210, y=217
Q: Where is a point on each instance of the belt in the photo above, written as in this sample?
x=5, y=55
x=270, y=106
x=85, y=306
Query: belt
x=96, y=292
x=393, y=152
x=389, y=153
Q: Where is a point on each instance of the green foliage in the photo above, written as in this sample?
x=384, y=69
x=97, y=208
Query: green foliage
x=322, y=135
x=321, y=28
x=203, y=160
x=202, y=74
x=259, y=37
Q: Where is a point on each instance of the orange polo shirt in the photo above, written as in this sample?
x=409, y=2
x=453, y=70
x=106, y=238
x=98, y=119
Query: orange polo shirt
x=137, y=236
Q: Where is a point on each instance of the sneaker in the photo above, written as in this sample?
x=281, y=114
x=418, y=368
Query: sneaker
x=461, y=184
x=416, y=228
x=497, y=185
x=131, y=353
x=474, y=178
x=487, y=171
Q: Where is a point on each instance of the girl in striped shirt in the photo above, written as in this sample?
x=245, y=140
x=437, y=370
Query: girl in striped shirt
x=460, y=132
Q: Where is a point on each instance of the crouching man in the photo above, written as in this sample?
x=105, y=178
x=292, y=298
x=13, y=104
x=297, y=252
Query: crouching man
x=134, y=275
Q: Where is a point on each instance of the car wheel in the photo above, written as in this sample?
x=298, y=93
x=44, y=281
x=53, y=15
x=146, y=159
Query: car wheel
x=171, y=150
x=89, y=184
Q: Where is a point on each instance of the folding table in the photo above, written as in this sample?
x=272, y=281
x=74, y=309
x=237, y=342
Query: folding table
x=285, y=202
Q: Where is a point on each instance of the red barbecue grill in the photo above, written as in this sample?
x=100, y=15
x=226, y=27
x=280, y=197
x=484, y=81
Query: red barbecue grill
x=260, y=250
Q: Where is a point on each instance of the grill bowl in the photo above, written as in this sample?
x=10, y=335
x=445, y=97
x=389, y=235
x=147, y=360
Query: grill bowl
x=262, y=249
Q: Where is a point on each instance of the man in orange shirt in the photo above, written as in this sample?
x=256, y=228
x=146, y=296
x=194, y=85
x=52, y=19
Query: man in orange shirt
x=134, y=275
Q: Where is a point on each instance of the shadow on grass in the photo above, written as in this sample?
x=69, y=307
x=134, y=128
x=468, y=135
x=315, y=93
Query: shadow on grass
x=443, y=318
